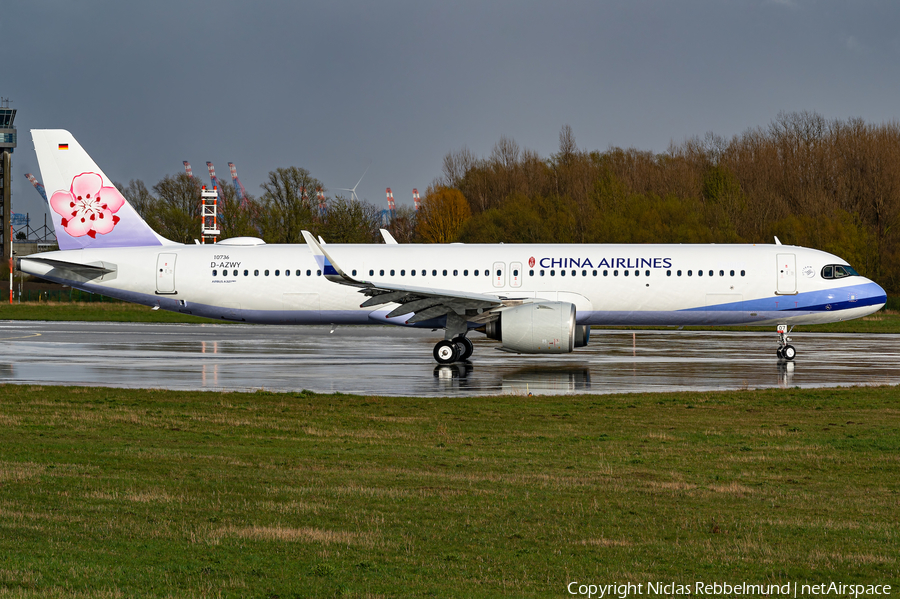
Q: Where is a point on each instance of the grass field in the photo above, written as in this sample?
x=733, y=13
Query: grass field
x=142, y=493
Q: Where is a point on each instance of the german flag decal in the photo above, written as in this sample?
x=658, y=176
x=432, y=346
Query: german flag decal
x=63, y=146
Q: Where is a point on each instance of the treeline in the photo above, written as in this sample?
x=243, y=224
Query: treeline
x=831, y=185
x=288, y=204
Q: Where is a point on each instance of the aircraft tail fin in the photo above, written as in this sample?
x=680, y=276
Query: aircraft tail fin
x=87, y=210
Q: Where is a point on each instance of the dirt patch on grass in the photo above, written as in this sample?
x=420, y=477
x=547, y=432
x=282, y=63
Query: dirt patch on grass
x=298, y=535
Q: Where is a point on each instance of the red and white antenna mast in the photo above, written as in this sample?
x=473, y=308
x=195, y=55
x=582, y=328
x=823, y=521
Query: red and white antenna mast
x=187, y=169
x=390, y=200
x=209, y=226
x=416, y=198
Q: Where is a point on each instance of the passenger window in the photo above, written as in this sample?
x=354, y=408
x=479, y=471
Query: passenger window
x=679, y=273
x=499, y=272
x=412, y=273
x=392, y=272
x=215, y=273
x=583, y=273
x=403, y=273
x=647, y=273
x=354, y=272
x=246, y=272
x=298, y=272
x=743, y=273
x=710, y=273
x=732, y=273
x=605, y=272
x=371, y=272
x=530, y=273
x=516, y=272
x=690, y=272
x=277, y=272
x=699, y=273
x=455, y=272
x=318, y=273
x=234, y=274
x=266, y=272
x=255, y=273
x=595, y=273
x=475, y=273
x=423, y=272
x=574, y=273
x=308, y=273
x=287, y=272
x=625, y=272
x=668, y=273
x=615, y=273
x=552, y=273
x=542, y=273
x=562, y=273
x=721, y=273
x=434, y=273
x=637, y=273
x=381, y=273
x=466, y=273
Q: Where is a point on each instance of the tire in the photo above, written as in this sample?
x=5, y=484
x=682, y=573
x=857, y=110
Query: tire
x=778, y=353
x=788, y=352
x=446, y=352
x=465, y=347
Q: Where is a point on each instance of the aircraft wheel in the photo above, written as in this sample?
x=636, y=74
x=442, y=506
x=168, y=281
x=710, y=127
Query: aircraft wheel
x=446, y=352
x=465, y=347
x=788, y=352
x=778, y=353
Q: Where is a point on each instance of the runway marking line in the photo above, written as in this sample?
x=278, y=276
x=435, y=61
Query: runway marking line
x=25, y=337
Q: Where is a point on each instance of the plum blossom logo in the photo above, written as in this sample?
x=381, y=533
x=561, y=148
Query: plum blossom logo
x=87, y=208
x=531, y=262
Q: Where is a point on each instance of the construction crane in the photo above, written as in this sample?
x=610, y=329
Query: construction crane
x=37, y=185
x=416, y=198
x=322, y=207
x=237, y=182
x=187, y=169
x=214, y=179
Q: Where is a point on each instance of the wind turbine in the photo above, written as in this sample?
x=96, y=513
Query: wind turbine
x=352, y=190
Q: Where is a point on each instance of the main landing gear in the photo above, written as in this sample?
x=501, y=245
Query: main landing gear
x=458, y=349
x=785, y=351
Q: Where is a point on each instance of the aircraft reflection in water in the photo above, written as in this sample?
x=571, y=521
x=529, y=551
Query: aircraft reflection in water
x=533, y=380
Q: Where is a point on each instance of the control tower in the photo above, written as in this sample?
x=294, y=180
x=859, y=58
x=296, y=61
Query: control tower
x=7, y=145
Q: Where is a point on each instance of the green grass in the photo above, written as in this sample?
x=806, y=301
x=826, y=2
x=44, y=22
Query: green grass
x=92, y=312
x=142, y=493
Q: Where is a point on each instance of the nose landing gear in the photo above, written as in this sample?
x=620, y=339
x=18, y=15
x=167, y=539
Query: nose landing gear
x=785, y=350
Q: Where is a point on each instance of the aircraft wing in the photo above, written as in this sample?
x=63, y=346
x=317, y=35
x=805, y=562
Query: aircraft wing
x=424, y=302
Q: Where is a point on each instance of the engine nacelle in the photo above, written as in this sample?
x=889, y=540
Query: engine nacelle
x=540, y=328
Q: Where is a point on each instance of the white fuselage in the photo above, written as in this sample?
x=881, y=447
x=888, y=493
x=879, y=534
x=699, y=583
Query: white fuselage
x=608, y=284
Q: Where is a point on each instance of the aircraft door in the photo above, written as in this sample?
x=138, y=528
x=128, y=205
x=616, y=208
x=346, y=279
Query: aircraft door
x=515, y=274
x=165, y=274
x=499, y=274
x=787, y=274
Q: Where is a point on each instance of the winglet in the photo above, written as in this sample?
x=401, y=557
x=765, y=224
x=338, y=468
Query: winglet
x=388, y=238
x=330, y=269
x=777, y=241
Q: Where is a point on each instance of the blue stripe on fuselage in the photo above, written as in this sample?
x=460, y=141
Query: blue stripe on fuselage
x=838, y=298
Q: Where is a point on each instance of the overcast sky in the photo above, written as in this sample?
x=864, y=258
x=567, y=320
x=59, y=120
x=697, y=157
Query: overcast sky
x=336, y=87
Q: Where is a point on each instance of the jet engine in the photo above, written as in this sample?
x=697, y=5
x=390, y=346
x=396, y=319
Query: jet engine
x=539, y=328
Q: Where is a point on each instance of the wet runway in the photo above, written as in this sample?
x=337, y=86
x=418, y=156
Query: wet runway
x=394, y=361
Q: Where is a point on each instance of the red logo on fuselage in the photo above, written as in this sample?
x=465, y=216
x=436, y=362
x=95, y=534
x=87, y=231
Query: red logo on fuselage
x=531, y=262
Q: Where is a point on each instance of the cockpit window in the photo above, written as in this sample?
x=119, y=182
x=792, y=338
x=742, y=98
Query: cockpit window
x=838, y=271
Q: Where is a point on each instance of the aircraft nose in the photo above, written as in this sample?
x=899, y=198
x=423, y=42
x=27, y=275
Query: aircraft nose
x=877, y=294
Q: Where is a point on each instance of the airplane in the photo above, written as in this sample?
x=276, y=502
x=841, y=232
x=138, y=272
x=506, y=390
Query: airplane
x=532, y=298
